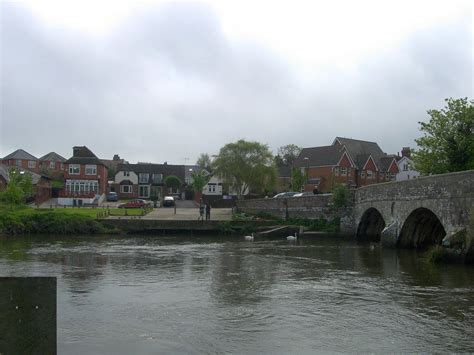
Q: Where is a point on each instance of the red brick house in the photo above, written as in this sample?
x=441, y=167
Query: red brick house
x=85, y=179
x=52, y=164
x=352, y=162
x=23, y=160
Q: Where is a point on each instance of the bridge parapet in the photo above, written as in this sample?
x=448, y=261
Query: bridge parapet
x=415, y=212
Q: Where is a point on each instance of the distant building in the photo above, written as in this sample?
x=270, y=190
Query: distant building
x=352, y=162
x=145, y=180
x=22, y=159
x=405, y=166
x=52, y=164
x=85, y=179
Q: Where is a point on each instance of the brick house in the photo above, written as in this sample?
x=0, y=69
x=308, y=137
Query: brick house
x=145, y=180
x=23, y=160
x=85, y=179
x=352, y=162
x=52, y=164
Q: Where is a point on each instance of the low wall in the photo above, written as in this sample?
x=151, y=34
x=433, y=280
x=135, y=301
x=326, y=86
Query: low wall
x=310, y=207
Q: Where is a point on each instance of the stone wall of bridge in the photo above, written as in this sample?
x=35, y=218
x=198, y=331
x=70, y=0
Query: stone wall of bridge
x=309, y=207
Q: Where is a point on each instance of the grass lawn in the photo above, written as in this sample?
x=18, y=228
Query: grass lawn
x=91, y=212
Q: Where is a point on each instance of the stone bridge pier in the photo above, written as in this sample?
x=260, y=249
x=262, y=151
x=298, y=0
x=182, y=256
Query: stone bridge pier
x=418, y=213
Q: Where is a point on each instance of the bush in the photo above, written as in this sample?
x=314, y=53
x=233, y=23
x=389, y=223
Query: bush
x=32, y=222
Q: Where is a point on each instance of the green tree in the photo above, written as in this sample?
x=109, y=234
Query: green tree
x=19, y=188
x=200, y=179
x=339, y=195
x=172, y=181
x=246, y=166
x=448, y=141
x=298, y=179
x=287, y=154
x=204, y=162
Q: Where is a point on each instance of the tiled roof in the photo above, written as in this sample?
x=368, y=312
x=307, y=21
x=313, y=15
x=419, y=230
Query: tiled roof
x=20, y=154
x=35, y=178
x=385, y=162
x=165, y=169
x=53, y=157
x=360, y=150
x=318, y=156
x=83, y=155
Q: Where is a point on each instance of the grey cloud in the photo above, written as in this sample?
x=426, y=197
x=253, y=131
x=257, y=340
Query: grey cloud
x=168, y=84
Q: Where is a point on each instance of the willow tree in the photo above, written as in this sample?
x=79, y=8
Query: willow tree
x=246, y=166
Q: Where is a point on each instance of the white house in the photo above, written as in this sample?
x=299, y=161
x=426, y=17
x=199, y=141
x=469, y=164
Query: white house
x=405, y=168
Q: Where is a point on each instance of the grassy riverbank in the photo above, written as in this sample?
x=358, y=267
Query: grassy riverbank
x=50, y=221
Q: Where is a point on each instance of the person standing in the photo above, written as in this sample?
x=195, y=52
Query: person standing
x=208, y=212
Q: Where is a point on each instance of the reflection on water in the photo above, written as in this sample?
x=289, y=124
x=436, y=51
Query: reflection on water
x=196, y=294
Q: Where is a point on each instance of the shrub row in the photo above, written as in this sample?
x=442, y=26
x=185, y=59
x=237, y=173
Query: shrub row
x=29, y=222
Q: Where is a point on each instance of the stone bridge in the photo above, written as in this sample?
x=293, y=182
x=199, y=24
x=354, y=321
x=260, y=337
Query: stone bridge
x=417, y=213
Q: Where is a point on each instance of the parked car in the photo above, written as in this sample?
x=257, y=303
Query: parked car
x=135, y=204
x=306, y=193
x=168, y=201
x=285, y=194
x=112, y=197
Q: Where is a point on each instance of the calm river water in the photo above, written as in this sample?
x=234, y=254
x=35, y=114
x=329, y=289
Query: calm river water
x=183, y=294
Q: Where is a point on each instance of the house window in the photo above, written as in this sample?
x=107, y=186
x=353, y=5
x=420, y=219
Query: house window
x=74, y=169
x=143, y=178
x=157, y=178
x=18, y=162
x=126, y=189
x=126, y=173
x=62, y=166
x=31, y=164
x=362, y=174
x=91, y=169
x=212, y=187
x=143, y=191
x=52, y=164
x=343, y=171
x=370, y=175
x=405, y=167
x=348, y=171
x=336, y=171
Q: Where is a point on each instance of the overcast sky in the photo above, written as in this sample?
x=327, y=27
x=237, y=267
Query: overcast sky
x=166, y=81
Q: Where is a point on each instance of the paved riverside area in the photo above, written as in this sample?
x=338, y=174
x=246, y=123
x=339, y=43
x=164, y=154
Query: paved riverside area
x=187, y=214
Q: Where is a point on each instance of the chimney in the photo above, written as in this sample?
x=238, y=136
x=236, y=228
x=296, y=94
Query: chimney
x=116, y=157
x=406, y=152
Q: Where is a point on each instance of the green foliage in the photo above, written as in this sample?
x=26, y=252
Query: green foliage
x=111, y=173
x=19, y=188
x=298, y=179
x=173, y=182
x=204, y=162
x=200, y=179
x=448, y=141
x=287, y=154
x=339, y=195
x=29, y=221
x=246, y=166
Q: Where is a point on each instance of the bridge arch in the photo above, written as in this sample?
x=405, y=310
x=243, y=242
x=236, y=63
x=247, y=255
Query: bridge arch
x=370, y=226
x=421, y=229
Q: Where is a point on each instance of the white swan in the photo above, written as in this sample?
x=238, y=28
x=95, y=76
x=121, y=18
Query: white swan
x=292, y=237
x=249, y=237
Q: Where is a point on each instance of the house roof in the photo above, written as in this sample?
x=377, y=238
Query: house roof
x=52, y=156
x=35, y=178
x=319, y=156
x=83, y=155
x=359, y=151
x=165, y=169
x=20, y=154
